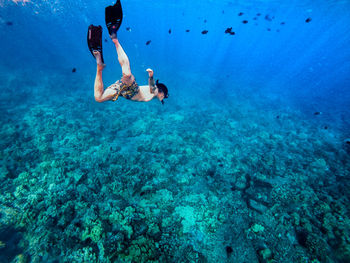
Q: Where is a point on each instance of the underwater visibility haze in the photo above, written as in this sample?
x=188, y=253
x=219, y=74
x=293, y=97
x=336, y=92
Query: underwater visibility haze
x=246, y=161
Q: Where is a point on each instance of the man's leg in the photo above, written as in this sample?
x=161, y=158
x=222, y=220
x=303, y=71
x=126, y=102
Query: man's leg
x=124, y=63
x=101, y=94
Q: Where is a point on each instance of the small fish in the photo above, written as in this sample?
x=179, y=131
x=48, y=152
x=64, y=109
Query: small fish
x=240, y=14
x=269, y=29
x=283, y=23
x=228, y=30
x=268, y=17
x=223, y=11
x=169, y=31
x=187, y=30
x=325, y=127
x=245, y=21
x=9, y=23
x=258, y=14
x=308, y=20
x=277, y=117
x=347, y=141
x=106, y=40
x=128, y=29
x=255, y=18
x=204, y=32
x=205, y=20
x=277, y=30
x=148, y=42
x=317, y=113
x=74, y=70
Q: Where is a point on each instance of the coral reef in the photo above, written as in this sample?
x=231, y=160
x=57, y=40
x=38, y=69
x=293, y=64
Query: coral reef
x=221, y=183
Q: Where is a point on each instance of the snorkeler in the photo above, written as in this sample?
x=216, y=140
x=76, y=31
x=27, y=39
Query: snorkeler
x=127, y=86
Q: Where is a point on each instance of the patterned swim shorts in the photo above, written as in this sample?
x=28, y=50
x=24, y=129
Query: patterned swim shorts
x=127, y=91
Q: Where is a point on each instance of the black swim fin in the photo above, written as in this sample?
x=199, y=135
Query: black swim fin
x=94, y=39
x=114, y=18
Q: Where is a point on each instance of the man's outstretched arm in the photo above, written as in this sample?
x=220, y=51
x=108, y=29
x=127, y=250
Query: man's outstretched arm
x=152, y=85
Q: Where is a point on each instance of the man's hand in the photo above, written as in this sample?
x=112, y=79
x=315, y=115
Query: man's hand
x=150, y=72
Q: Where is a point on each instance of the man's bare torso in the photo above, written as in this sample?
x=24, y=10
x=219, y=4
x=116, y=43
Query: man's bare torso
x=144, y=94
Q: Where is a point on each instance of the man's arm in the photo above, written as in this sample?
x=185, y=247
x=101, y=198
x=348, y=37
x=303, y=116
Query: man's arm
x=152, y=85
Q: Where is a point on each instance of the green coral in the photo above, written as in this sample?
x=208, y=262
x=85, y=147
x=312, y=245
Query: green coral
x=94, y=231
x=256, y=228
x=266, y=255
x=141, y=250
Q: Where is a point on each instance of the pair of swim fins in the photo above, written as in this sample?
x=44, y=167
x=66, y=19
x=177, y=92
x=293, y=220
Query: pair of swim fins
x=114, y=18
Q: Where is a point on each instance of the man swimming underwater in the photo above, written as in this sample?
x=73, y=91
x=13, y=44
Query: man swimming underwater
x=127, y=86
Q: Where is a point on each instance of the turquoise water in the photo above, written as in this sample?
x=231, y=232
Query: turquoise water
x=247, y=161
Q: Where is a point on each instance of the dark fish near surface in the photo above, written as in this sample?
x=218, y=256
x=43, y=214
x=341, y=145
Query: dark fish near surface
x=240, y=14
x=106, y=40
x=187, y=30
x=317, y=113
x=169, y=31
x=148, y=42
x=245, y=21
x=128, y=29
x=204, y=32
x=283, y=23
x=258, y=14
x=74, y=70
x=228, y=30
x=9, y=23
x=268, y=17
x=308, y=20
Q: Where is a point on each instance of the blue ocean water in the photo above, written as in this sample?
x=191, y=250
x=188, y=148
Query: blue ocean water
x=247, y=160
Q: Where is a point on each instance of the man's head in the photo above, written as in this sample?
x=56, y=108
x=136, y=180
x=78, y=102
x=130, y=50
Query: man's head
x=162, y=91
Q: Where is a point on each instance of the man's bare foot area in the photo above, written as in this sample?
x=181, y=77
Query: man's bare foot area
x=98, y=58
